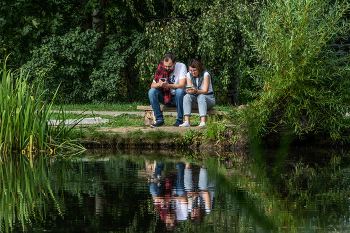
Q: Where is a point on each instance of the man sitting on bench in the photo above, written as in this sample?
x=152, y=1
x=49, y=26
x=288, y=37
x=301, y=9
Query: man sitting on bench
x=168, y=88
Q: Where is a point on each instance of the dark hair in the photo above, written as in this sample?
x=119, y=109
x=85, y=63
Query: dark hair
x=170, y=56
x=195, y=63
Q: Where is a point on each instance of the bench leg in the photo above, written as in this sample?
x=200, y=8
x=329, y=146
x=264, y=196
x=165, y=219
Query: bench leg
x=149, y=117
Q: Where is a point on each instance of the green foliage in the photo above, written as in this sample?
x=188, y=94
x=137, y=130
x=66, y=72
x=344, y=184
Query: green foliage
x=67, y=61
x=214, y=130
x=302, y=81
x=190, y=135
x=120, y=56
x=109, y=78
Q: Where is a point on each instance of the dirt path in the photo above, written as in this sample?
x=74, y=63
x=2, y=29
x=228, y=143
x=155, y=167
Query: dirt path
x=148, y=129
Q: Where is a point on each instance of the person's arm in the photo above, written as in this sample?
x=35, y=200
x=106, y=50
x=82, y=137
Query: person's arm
x=205, y=87
x=182, y=83
x=155, y=85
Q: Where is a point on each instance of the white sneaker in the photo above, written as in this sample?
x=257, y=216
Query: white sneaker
x=201, y=124
x=185, y=124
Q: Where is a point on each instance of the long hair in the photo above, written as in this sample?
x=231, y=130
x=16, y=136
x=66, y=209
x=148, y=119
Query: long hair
x=195, y=63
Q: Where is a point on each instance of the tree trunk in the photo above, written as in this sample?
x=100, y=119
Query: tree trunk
x=87, y=23
x=99, y=25
x=132, y=78
x=233, y=92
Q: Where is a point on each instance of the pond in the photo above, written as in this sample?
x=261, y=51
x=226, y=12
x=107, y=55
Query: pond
x=301, y=190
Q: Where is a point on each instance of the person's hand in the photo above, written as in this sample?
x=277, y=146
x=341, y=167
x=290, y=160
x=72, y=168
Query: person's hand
x=191, y=91
x=163, y=84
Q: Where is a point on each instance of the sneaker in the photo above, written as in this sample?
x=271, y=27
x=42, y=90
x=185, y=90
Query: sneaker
x=157, y=124
x=201, y=124
x=177, y=123
x=185, y=124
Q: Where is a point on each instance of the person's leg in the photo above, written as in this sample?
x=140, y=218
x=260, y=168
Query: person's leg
x=155, y=97
x=158, y=169
x=205, y=102
x=156, y=189
x=188, y=178
x=180, y=185
x=188, y=102
x=179, y=96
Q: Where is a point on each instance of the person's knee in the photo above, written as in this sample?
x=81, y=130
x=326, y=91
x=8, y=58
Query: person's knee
x=201, y=99
x=187, y=98
x=179, y=92
x=152, y=93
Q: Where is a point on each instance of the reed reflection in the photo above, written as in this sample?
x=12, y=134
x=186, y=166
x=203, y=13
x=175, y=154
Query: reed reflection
x=183, y=194
x=26, y=192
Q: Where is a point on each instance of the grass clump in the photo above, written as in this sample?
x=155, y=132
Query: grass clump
x=24, y=116
x=304, y=84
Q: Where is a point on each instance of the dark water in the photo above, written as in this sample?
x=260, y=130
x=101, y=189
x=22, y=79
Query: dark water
x=274, y=191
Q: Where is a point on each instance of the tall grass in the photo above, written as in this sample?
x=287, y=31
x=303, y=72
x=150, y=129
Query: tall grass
x=304, y=83
x=24, y=115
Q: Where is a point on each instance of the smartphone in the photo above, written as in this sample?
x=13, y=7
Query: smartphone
x=163, y=79
x=188, y=87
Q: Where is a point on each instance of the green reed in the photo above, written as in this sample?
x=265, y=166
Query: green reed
x=24, y=113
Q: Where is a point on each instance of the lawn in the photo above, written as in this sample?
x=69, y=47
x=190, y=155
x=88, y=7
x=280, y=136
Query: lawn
x=124, y=107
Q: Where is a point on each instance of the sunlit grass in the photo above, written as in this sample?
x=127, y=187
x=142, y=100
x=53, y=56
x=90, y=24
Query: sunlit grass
x=100, y=107
x=124, y=107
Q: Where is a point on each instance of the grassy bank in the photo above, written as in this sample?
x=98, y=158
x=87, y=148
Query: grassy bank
x=219, y=133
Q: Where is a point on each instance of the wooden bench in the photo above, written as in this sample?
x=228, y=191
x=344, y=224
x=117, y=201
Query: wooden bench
x=149, y=115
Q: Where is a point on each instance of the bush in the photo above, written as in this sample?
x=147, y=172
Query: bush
x=302, y=85
x=112, y=74
x=68, y=61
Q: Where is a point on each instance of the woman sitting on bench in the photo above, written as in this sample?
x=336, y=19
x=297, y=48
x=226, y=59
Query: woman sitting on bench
x=200, y=94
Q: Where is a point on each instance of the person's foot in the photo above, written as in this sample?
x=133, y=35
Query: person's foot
x=201, y=124
x=157, y=124
x=185, y=124
x=177, y=123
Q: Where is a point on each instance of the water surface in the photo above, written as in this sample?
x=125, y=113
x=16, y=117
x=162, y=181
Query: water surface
x=297, y=191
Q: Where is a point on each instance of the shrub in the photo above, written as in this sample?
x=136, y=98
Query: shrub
x=302, y=84
x=66, y=60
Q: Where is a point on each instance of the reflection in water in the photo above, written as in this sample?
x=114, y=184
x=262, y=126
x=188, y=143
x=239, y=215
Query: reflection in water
x=177, y=197
x=26, y=193
x=158, y=194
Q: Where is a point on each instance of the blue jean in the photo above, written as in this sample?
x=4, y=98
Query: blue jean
x=200, y=102
x=180, y=183
x=154, y=188
x=155, y=97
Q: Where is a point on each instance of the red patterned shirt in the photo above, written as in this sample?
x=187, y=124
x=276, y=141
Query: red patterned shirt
x=162, y=73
